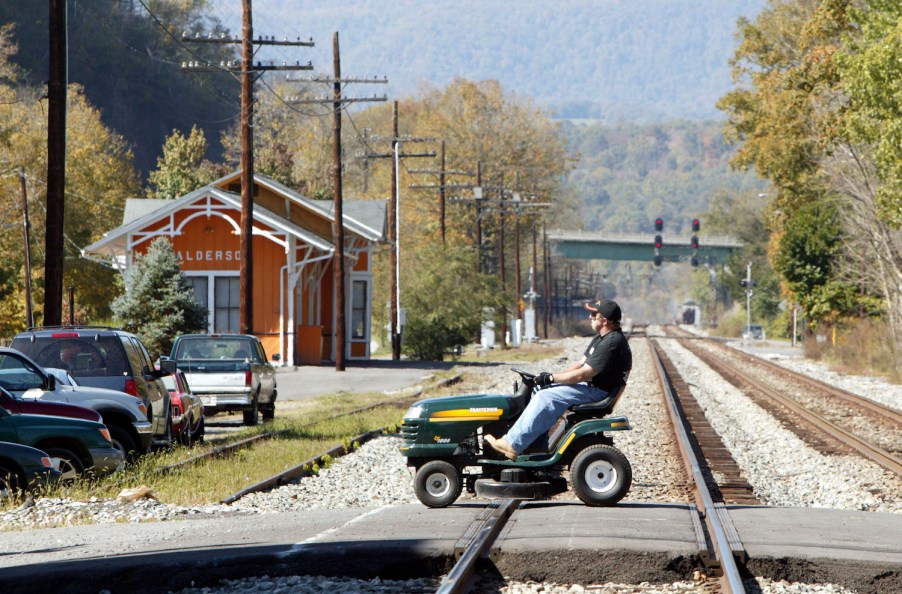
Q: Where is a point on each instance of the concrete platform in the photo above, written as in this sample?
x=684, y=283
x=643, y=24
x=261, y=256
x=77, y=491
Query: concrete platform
x=561, y=541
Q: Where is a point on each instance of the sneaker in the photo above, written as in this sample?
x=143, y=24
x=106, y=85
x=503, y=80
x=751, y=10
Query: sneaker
x=501, y=446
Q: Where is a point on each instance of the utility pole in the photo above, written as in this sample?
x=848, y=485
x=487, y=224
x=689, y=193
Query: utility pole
x=501, y=265
x=29, y=312
x=393, y=239
x=338, y=231
x=442, y=186
x=338, y=228
x=246, y=266
x=394, y=223
x=56, y=165
x=248, y=74
x=547, y=274
x=477, y=196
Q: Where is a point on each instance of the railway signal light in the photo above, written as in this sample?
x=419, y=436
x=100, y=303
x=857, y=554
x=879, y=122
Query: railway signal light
x=659, y=224
x=694, y=242
x=693, y=261
x=658, y=242
x=658, y=260
x=695, y=225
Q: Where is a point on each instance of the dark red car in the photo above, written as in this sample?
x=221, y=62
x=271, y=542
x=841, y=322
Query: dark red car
x=187, y=410
x=31, y=406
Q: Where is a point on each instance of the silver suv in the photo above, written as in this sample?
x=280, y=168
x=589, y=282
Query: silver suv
x=108, y=358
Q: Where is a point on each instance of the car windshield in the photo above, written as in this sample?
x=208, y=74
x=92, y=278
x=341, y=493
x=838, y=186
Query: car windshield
x=16, y=375
x=85, y=356
x=213, y=348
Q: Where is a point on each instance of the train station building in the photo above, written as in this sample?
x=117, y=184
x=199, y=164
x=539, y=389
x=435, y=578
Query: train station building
x=294, y=312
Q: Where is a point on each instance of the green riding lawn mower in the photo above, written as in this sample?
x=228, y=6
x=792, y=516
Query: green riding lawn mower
x=443, y=442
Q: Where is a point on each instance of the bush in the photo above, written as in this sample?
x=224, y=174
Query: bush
x=445, y=303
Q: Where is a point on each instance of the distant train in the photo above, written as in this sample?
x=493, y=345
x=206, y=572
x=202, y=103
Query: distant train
x=690, y=314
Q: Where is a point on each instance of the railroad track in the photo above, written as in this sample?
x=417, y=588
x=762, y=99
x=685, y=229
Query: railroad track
x=814, y=428
x=715, y=477
x=306, y=467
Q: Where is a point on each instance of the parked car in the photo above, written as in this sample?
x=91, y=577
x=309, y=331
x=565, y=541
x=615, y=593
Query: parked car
x=229, y=372
x=30, y=406
x=74, y=445
x=124, y=415
x=108, y=358
x=187, y=410
x=23, y=468
x=753, y=332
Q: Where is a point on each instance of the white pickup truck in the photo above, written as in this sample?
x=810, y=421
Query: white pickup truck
x=229, y=372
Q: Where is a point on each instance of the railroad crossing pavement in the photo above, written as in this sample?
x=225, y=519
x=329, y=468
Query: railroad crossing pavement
x=558, y=541
x=375, y=375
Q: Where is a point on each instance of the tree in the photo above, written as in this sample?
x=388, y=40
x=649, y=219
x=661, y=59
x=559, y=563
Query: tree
x=446, y=302
x=182, y=168
x=99, y=177
x=158, y=303
x=785, y=113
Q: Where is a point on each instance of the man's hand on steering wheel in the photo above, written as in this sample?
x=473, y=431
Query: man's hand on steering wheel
x=544, y=379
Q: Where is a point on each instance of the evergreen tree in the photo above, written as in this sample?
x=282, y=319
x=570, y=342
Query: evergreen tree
x=158, y=303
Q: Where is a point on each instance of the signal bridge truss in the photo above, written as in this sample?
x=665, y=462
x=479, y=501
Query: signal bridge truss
x=584, y=245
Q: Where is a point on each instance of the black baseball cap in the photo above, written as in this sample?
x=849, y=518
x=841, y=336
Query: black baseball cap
x=607, y=308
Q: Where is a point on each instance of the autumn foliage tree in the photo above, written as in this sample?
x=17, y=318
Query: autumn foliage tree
x=815, y=111
x=99, y=178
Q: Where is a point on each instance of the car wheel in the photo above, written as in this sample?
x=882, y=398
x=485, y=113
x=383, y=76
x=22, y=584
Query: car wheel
x=167, y=442
x=601, y=475
x=69, y=465
x=250, y=416
x=186, y=437
x=123, y=442
x=438, y=484
x=199, y=432
x=268, y=412
x=10, y=484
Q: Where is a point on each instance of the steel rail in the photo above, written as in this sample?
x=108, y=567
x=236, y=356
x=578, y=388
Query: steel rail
x=459, y=579
x=731, y=581
x=865, y=448
x=228, y=449
x=890, y=414
x=303, y=469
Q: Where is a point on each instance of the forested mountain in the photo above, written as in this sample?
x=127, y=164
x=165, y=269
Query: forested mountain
x=630, y=174
x=632, y=60
x=614, y=60
x=130, y=68
x=659, y=64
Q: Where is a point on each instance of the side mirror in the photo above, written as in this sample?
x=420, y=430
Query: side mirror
x=50, y=383
x=167, y=366
x=276, y=357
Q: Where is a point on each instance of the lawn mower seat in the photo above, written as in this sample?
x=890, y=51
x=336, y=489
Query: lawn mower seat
x=598, y=409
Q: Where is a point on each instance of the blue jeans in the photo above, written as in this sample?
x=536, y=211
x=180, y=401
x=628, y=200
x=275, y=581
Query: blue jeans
x=545, y=407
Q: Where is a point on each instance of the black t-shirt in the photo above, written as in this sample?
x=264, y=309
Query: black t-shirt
x=611, y=358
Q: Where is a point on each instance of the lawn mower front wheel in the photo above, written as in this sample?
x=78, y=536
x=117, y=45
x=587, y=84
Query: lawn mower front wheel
x=438, y=483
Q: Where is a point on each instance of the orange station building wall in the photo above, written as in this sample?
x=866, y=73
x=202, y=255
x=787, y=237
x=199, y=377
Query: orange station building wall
x=210, y=244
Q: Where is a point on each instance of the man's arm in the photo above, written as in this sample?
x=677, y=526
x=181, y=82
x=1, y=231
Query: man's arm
x=576, y=373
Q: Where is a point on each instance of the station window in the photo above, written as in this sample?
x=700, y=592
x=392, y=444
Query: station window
x=226, y=304
x=199, y=284
x=358, y=309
